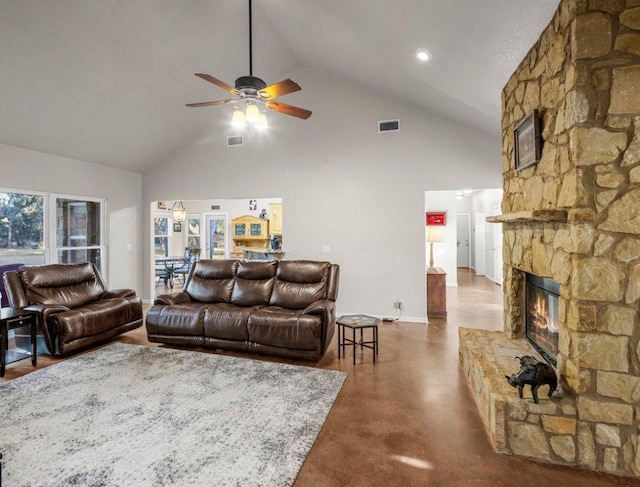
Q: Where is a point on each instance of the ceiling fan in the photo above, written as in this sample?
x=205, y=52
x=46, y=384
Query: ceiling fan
x=254, y=92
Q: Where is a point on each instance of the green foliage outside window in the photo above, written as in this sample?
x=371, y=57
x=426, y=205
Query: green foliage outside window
x=21, y=221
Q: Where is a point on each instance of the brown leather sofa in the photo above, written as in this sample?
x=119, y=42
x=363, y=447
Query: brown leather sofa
x=283, y=308
x=76, y=309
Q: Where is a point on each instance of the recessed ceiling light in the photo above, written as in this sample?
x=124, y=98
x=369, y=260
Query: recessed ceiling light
x=423, y=54
x=467, y=191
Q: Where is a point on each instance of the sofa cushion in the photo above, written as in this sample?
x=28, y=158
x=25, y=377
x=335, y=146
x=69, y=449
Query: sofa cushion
x=92, y=319
x=278, y=327
x=179, y=319
x=69, y=285
x=299, y=283
x=254, y=283
x=226, y=321
x=212, y=281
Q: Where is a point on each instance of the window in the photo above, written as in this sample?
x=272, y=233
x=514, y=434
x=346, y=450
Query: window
x=22, y=228
x=79, y=231
x=46, y=228
x=193, y=232
x=162, y=237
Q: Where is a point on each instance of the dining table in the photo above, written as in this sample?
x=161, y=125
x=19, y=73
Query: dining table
x=168, y=265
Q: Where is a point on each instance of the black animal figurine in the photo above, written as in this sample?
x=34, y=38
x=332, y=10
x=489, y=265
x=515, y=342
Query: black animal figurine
x=534, y=373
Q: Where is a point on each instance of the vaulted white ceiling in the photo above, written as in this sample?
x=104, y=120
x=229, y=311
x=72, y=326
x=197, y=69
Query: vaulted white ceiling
x=105, y=81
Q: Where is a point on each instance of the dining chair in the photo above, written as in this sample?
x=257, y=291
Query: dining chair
x=192, y=254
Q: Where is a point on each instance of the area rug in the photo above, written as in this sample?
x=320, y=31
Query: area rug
x=129, y=415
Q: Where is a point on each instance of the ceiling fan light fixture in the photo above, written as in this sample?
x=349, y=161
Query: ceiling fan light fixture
x=262, y=122
x=253, y=114
x=238, y=119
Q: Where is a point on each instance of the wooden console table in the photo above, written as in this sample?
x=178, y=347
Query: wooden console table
x=436, y=293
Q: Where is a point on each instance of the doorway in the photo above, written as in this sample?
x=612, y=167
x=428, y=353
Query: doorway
x=216, y=225
x=462, y=239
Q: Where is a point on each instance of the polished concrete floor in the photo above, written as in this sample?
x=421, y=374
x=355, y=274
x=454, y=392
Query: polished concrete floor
x=409, y=419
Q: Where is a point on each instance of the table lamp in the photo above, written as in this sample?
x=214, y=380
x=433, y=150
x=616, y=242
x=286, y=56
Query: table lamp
x=432, y=235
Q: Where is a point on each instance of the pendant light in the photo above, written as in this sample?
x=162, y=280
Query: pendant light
x=178, y=212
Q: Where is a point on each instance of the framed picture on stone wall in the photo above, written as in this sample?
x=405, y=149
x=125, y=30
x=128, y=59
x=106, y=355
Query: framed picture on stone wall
x=527, y=147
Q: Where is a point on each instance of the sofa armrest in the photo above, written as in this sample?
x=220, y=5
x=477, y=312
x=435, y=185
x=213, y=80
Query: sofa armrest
x=319, y=307
x=327, y=309
x=45, y=311
x=118, y=293
x=169, y=299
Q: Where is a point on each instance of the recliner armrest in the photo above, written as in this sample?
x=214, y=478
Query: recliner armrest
x=169, y=299
x=327, y=309
x=318, y=307
x=118, y=293
x=47, y=310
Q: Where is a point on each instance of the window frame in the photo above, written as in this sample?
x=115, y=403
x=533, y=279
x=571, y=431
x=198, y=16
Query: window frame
x=102, y=247
x=194, y=216
x=169, y=235
x=45, y=212
x=49, y=224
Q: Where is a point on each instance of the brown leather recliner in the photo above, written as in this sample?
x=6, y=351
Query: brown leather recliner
x=284, y=308
x=76, y=308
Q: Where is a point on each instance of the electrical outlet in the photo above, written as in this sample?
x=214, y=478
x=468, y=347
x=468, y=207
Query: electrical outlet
x=401, y=303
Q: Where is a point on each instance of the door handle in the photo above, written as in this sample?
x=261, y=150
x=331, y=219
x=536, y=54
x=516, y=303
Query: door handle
x=458, y=243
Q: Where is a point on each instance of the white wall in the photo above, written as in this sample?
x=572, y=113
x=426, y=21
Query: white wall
x=29, y=170
x=343, y=184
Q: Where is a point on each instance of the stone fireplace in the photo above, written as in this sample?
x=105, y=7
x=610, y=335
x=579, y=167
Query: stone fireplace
x=574, y=219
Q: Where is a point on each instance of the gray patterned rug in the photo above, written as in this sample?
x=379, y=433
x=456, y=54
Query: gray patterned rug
x=129, y=415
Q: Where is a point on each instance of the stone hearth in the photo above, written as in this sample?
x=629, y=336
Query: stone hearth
x=543, y=431
x=574, y=217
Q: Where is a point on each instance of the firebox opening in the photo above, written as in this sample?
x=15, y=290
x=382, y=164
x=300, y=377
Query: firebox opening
x=542, y=317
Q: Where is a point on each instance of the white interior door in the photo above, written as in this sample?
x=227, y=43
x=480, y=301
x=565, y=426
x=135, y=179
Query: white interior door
x=497, y=249
x=479, y=230
x=462, y=239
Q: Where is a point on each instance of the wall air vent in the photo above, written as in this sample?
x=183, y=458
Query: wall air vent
x=233, y=140
x=388, y=126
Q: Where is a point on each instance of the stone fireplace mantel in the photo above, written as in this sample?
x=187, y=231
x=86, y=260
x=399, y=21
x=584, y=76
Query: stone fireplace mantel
x=541, y=216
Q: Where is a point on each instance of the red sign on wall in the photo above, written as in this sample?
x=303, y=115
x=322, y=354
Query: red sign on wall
x=437, y=218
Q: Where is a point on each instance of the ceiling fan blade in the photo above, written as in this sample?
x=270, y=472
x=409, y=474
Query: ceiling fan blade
x=218, y=83
x=288, y=109
x=211, y=103
x=280, y=88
